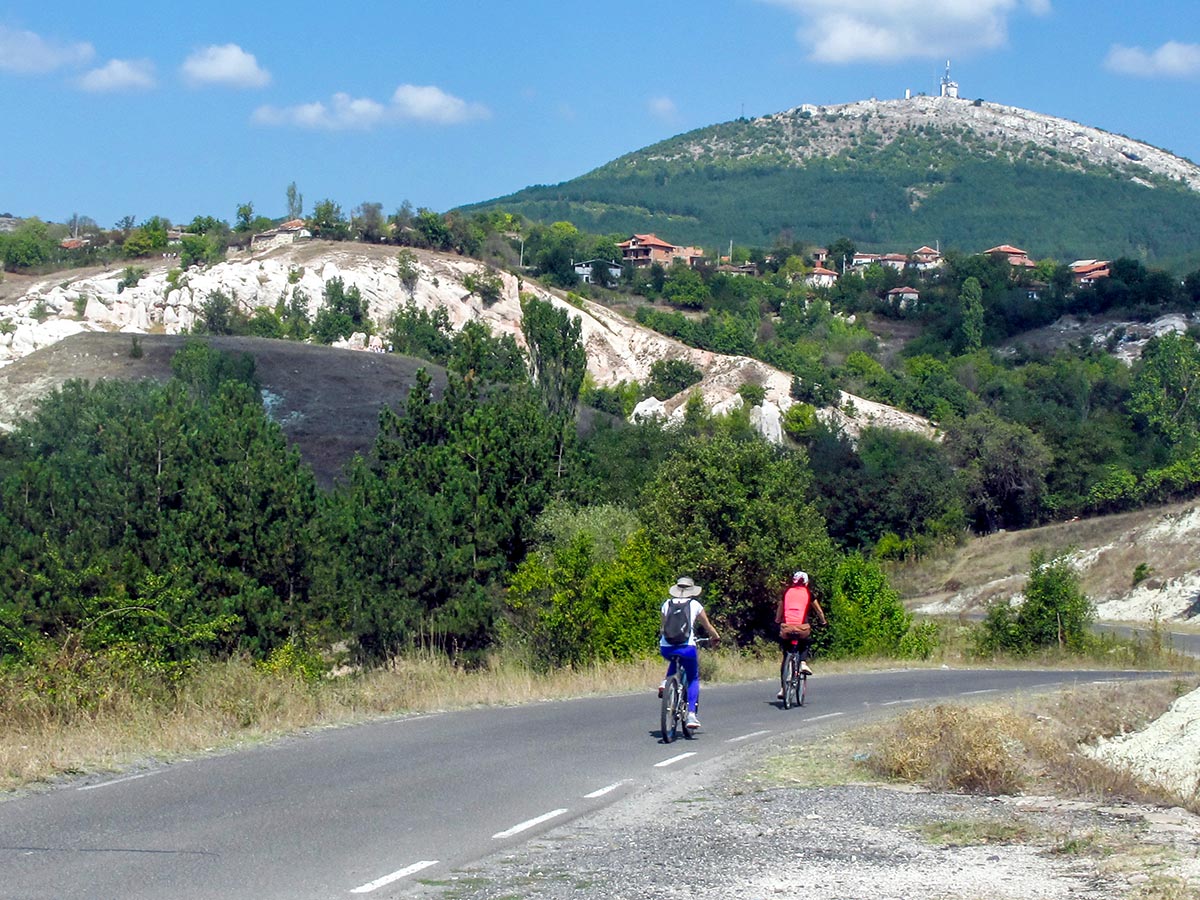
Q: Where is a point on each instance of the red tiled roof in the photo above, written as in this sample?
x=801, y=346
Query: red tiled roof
x=904, y=290
x=1007, y=248
x=819, y=270
x=647, y=240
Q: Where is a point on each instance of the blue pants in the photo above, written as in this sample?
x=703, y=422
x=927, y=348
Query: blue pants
x=691, y=666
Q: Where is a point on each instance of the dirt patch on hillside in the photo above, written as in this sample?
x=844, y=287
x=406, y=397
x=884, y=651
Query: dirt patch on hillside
x=326, y=400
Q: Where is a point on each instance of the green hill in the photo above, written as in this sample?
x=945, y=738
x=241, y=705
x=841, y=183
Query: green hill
x=894, y=175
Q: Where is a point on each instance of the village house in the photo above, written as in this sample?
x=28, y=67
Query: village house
x=281, y=235
x=586, y=270
x=747, y=268
x=895, y=261
x=903, y=297
x=1016, y=256
x=646, y=249
x=926, y=258
x=1085, y=272
x=821, y=277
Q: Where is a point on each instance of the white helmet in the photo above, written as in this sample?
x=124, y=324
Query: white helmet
x=799, y=578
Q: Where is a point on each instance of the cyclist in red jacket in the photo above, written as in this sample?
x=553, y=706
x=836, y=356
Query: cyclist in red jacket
x=792, y=616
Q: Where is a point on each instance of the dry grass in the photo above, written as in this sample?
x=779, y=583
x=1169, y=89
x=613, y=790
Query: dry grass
x=84, y=717
x=977, y=749
x=1028, y=745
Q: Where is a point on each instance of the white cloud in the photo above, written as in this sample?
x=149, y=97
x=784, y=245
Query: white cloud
x=119, y=75
x=227, y=65
x=662, y=108
x=1171, y=60
x=343, y=113
x=26, y=53
x=844, y=31
x=408, y=103
x=427, y=103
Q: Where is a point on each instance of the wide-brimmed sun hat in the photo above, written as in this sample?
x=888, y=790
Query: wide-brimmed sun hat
x=685, y=587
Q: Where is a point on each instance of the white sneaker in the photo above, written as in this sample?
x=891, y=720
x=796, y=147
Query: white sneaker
x=692, y=721
x=804, y=669
x=779, y=696
x=662, y=687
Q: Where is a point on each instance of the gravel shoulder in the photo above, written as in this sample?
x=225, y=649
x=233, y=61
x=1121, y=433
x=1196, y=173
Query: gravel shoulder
x=736, y=830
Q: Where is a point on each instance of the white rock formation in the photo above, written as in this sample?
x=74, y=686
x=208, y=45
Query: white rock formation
x=818, y=131
x=618, y=349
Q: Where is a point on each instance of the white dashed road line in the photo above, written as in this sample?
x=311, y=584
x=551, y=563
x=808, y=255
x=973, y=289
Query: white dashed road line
x=826, y=716
x=92, y=787
x=746, y=737
x=984, y=691
x=394, y=876
x=899, y=702
x=528, y=823
x=674, y=759
x=604, y=790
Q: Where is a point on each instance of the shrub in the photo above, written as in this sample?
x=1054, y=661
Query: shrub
x=130, y=277
x=1054, y=612
x=291, y=659
x=866, y=616
x=488, y=285
x=590, y=592
x=1140, y=573
x=752, y=394
x=670, y=376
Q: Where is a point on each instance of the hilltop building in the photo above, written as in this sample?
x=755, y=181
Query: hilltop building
x=288, y=233
x=949, y=87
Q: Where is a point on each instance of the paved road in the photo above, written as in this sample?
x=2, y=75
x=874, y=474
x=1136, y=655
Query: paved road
x=1181, y=641
x=365, y=811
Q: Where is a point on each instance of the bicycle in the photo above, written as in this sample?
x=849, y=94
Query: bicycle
x=674, y=709
x=795, y=681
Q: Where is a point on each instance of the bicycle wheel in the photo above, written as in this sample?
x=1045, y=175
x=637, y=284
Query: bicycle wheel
x=789, y=680
x=669, y=715
x=803, y=687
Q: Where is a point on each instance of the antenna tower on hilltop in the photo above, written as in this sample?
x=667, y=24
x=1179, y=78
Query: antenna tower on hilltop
x=949, y=87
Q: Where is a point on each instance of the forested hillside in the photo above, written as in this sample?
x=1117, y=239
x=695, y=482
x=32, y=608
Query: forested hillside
x=893, y=175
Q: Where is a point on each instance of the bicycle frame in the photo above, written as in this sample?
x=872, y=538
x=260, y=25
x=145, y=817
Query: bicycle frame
x=674, y=699
x=795, y=682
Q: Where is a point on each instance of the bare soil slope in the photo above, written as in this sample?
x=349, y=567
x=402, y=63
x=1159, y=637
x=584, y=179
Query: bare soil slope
x=327, y=400
x=1106, y=551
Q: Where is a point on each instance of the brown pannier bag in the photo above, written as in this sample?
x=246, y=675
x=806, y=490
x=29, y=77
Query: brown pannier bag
x=795, y=631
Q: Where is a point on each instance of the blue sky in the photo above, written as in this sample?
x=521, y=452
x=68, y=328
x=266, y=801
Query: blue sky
x=192, y=109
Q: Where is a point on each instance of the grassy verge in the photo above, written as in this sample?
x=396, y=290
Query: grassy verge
x=1028, y=744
